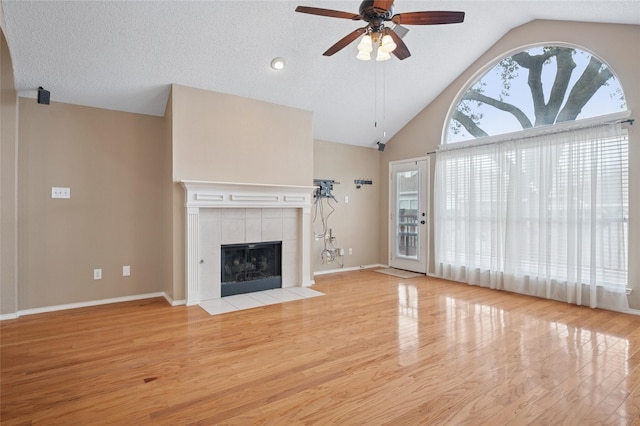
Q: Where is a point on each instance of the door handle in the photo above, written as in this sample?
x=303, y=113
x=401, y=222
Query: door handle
x=422, y=222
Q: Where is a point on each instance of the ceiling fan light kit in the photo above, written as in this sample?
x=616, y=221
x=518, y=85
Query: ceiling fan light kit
x=386, y=40
x=384, y=46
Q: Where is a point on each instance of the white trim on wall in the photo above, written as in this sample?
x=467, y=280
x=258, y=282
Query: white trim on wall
x=352, y=268
x=89, y=303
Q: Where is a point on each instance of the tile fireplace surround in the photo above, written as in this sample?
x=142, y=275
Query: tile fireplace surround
x=230, y=213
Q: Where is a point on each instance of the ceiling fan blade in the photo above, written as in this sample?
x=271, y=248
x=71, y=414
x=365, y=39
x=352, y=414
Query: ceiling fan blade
x=344, y=42
x=328, y=12
x=428, y=18
x=383, y=4
x=401, y=51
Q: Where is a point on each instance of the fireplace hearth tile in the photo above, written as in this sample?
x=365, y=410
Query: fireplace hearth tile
x=240, y=302
x=243, y=301
x=283, y=295
x=264, y=298
x=217, y=306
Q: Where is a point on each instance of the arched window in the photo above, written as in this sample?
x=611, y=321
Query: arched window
x=532, y=209
x=538, y=86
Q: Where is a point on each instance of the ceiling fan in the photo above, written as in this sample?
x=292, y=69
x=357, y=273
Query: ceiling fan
x=376, y=13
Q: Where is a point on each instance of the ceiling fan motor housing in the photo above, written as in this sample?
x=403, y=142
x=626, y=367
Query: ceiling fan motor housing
x=375, y=16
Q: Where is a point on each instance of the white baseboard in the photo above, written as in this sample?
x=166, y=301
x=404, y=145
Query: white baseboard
x=352, y=268
x=8, y=316
x=174, y=302
x=86, y=304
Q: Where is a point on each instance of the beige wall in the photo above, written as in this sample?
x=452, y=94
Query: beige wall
x=355, y=224
x=220, y=137
x=112, y=161
x=227, y=138
x=8, y=183
x=616, y=44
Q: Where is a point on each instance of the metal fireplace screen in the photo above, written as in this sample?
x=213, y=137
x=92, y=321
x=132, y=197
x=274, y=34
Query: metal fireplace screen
x=251, y=267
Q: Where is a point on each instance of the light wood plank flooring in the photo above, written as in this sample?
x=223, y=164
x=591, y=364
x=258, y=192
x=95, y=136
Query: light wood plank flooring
x=374, y=350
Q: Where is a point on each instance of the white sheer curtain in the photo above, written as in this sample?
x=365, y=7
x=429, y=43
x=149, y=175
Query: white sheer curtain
x=545, y=216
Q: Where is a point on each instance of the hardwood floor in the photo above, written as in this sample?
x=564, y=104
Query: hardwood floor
x=374, y=350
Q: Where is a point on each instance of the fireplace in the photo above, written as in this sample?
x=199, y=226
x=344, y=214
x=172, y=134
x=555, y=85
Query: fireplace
x=251, y=267
x=222, y=213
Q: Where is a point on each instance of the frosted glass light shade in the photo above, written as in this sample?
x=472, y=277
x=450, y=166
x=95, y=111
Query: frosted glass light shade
x=364, y=56
x=388, y=45
x=382, y=56
x=365, y=48
x=365, y=45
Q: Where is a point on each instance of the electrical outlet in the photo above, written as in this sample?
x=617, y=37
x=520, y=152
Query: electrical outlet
x=60, y=192
x=350, y=250
x=346, y=199
x=126, y=271
x=97, y=274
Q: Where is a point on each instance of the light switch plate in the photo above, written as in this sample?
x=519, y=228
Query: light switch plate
x=126, y=271
x=60, y=192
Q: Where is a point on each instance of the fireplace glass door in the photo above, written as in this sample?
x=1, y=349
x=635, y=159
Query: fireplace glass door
x=251, y=267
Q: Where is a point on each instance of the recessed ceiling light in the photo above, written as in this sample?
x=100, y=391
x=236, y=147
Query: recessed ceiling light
x=277, y=64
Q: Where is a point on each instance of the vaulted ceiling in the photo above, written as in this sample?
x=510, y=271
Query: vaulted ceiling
x=123, y=55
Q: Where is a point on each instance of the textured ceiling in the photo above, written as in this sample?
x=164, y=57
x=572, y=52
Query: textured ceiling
x=123, y=55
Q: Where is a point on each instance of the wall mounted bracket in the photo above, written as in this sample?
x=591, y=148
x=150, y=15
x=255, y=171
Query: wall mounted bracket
x=325, y=186
x=360, y=182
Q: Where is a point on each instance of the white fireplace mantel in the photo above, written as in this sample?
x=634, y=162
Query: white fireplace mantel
x=246, y=195
x=202, y=194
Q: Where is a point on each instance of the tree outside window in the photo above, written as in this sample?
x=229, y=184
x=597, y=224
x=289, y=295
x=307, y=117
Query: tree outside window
x=539, y=86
